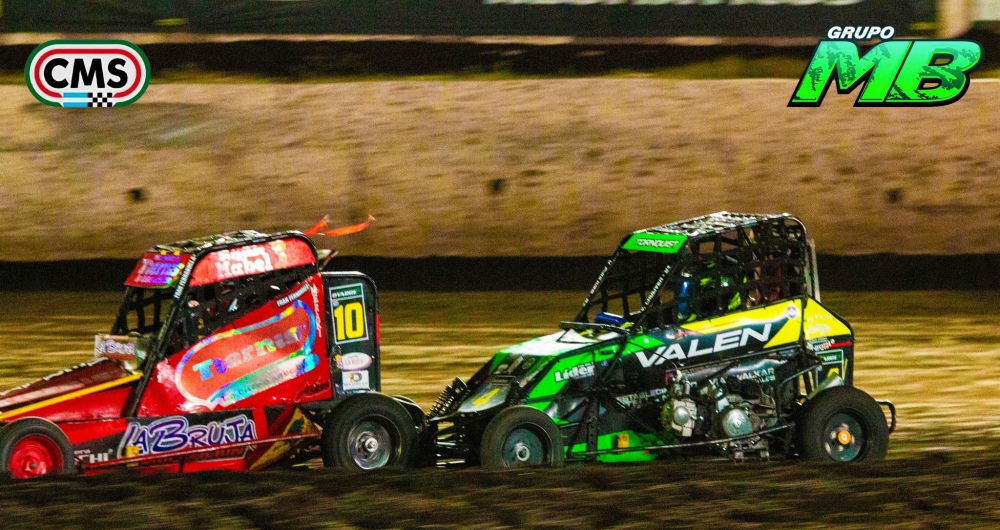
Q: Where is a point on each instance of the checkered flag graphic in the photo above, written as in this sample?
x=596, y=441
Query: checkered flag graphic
x=100, y=99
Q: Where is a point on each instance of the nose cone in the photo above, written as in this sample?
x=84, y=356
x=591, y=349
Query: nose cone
x=80, y=377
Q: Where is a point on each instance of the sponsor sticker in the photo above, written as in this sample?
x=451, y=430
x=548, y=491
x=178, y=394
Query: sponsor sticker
x=698, y=345
x=650, y=242
x=252, y=259
x=354, y=361
x=131, y=350
x=174, y=433
x=356, y=380
x=87, y=73
x=157, y=271
x=577, y=372
x=236, y=364
x=347, y=303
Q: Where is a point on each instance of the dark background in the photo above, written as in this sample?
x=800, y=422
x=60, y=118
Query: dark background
x=453, y=17
x=837, y=273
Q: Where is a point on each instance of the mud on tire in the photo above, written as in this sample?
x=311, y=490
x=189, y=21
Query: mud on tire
x=369, y=431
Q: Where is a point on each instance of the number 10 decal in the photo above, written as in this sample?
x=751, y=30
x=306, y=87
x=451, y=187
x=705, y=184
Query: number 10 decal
x=350, y=320
x=348, y=303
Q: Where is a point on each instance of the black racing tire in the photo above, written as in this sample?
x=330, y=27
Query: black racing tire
x=842, y=424
x=369, y=431
x=32, y=447
x=521, y=437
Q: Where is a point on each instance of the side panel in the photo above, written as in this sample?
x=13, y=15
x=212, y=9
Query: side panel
x=106, y=404
x=831, y=339
x=352, y=319
x=642, y=378
x=273, y=355
x=192, y=442
x=773, y=327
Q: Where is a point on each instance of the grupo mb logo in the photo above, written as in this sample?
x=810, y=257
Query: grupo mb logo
x=87, y=73
x=893, y=73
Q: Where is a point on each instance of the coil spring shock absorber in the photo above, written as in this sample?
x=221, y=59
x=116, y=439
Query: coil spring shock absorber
x=448, y=397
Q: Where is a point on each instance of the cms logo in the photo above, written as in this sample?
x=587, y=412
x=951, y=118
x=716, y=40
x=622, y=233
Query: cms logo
x=87, y=73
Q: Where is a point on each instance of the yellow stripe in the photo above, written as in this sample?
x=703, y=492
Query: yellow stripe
x=71, y=395
x=739, y=320
x=789, y=333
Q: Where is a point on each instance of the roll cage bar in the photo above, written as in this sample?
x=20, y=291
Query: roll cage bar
x=199, y=249
x=728, y=261
x=164, y=325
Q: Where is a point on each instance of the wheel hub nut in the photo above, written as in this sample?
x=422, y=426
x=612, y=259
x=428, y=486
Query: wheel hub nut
x=371, y=445
x=522, y=453
x=844, y=437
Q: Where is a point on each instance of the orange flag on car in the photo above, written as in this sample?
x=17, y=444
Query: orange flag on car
x=320, y=228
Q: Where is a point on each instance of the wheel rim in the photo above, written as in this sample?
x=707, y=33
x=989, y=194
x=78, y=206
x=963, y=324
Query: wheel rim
x=34, y=456
x=844, y=437
x=370, y=445
x=523, y=448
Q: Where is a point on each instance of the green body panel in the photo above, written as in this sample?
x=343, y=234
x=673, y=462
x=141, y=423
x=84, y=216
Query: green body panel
x=550, y=345
x=607, y=441
x=641, y=343
x=568, y=367
x=552, y=361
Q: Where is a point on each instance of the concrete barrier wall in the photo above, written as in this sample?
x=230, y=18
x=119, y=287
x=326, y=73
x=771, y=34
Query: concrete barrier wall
x=494, y=168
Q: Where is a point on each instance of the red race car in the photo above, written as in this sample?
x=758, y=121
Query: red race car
x=233, y=351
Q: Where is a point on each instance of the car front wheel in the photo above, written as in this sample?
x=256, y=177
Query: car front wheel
x=842, y=424
x=521, y=437
x=369, y=431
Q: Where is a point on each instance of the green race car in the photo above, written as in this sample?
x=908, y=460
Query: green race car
x=703, y=336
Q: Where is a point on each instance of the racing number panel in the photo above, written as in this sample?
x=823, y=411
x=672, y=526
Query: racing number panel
x=354, y=332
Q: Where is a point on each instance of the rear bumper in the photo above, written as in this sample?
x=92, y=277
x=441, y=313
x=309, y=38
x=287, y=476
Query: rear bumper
x=892, y=413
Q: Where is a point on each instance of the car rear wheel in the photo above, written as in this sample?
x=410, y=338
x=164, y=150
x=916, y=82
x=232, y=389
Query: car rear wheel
x=842, y=424
x=33, y=447
x=369, y=431
x=521, y=437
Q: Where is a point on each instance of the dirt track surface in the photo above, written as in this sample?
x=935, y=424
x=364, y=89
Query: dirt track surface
x=934, y=354
x=932, y=490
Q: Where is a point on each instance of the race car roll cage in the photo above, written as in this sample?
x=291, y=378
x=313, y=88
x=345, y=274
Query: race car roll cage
x=760, y=258
x=770, y=259
x=769, y=254
x=163, y=323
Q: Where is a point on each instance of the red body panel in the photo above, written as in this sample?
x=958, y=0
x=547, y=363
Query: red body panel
x=79, y=377
x=275, y=355
x=107, y=404
x=227, y=402
x=81, y=432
